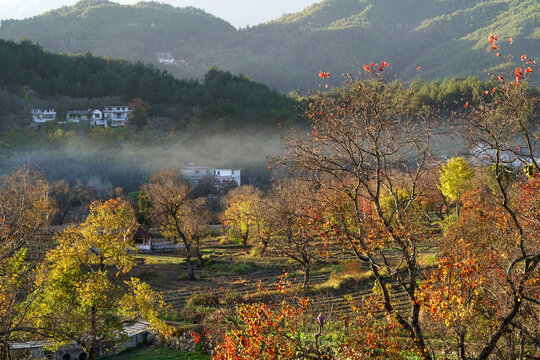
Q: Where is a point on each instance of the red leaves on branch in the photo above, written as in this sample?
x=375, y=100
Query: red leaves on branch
x=519, y=74
x=368, y=68
x=324, y=75
x=380, y=67
x=493, y=41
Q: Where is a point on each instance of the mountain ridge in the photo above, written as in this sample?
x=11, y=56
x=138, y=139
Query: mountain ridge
x=443, y=37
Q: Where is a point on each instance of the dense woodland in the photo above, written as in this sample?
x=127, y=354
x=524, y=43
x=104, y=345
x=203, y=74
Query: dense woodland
x=444, y=38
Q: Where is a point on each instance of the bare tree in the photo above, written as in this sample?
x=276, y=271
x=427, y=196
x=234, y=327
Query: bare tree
x=501, y=132
x=174, y=210
x=293, y=215
x=68, y=197
x=367, y=148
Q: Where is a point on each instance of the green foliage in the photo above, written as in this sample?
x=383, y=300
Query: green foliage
x=446, y=37
x=221, y=95
x=454, y=178
x=77, y=297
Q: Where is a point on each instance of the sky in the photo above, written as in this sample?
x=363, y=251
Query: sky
x=239, y=13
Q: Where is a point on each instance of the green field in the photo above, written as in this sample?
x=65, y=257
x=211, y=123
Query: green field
x=158, y=353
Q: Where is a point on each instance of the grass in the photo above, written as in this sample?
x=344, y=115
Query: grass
x=225, y=268
x=158, y=353
x=161, y=259
x=427, y=260
x=345, y=273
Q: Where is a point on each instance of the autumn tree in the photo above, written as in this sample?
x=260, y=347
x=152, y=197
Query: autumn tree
x=273, y=331
x=139, y=114
x=454, y=179
x=241, y=214
x=197, y=219
x=293, y=215
x=25, y=208
x=68, y=197
x=489, y=273
x=174, y=210
x=368, y=144
x=84, y=295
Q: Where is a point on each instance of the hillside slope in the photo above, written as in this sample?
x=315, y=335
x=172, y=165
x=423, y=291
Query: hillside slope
x=444, y=37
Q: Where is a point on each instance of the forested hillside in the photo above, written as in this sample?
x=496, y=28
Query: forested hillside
x=440, y=37
x=220, y=94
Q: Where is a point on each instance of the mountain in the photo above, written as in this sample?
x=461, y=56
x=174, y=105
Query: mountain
x=443, y=37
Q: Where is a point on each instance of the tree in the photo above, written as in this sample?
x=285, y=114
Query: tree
x=139, y=115
x=455, y=179
x=241, y=213
x=81, y=297
x=197, y=220
x=494, y=307
x=25, y=208
x=369, y=143
x=273, y=331
x=68, y=197
x=293, y=214
x=173, y=209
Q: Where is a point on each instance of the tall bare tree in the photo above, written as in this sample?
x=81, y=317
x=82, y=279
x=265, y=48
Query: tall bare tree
x=368, y=147
x=174, y=210
x=293, y=213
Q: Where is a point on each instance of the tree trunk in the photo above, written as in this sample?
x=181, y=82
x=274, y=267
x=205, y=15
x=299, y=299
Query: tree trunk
x=198, y=254
x=92, y=353
x=306, y=277
x=190, y=271
x=245, y=239
x=461, y=345
x=265, y=245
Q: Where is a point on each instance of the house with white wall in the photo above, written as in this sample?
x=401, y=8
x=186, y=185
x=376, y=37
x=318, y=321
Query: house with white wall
x=41, y=116
x=117, y=116
x=197, y=173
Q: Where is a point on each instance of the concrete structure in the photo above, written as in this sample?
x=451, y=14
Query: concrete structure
x=41, y=116
x=197, y=173
x=116, y=116
x=136, y=335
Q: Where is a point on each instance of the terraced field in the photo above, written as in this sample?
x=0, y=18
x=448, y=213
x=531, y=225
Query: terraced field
x=229, y=273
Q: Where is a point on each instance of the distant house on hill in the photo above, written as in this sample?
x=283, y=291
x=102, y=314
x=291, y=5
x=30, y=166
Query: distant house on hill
x=197, y=173
x=117, y=116
x=165, y=58
x=41, y=116
x=84, y=116
x=77, y=116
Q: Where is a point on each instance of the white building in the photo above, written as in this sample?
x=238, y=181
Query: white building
x=165, y=58
x=97, y=118
x=117, y=115
x=41, y=116
x=77, y=116
x=197, y=173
